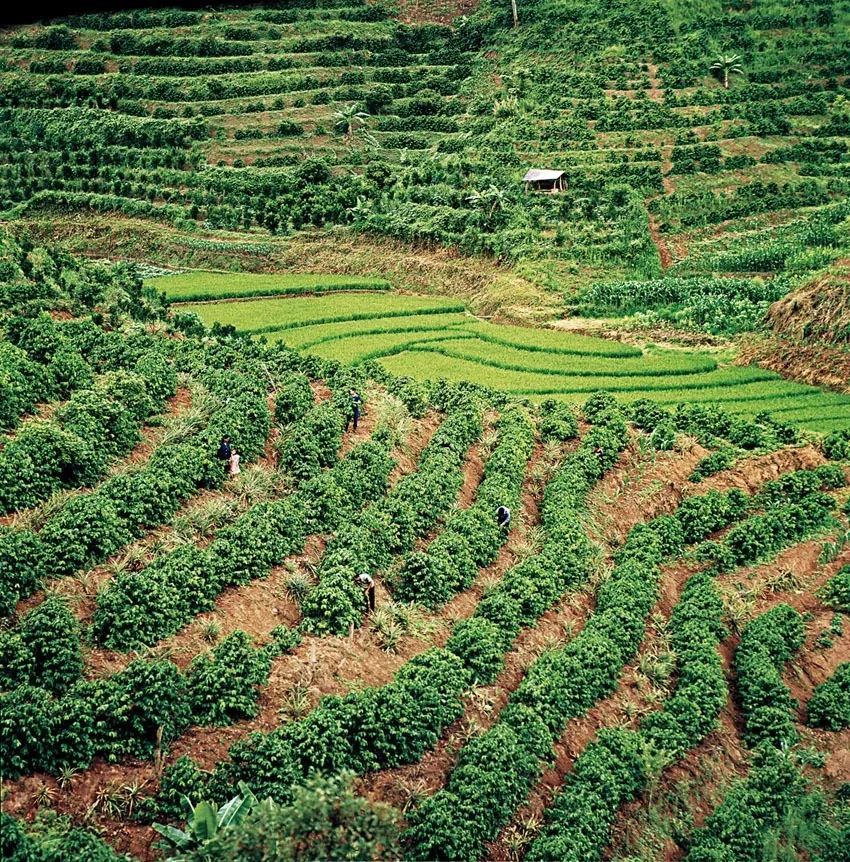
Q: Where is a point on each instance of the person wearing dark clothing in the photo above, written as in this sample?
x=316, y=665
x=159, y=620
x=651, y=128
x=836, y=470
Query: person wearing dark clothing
x=224, y=449
x=503, y=517
x=356, y=402
x=367, y=584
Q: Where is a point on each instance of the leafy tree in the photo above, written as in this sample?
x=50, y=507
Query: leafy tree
x=491, y=200
x=348, y=121
x=726, y=65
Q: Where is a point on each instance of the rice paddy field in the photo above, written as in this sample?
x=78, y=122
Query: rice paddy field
x=432, y=338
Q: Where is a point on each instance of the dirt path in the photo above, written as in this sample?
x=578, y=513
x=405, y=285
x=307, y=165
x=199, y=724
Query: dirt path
x=658, y=240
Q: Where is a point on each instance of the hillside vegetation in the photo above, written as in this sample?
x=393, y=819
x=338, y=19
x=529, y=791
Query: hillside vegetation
x=188, y=669
x=316, y=114
x=357, y=502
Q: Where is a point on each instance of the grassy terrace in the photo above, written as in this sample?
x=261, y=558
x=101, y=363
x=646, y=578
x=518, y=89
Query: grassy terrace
x=432, y=338
x=194, y=286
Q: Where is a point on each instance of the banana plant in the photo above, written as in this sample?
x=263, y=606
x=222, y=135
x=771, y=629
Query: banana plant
x=206, y=820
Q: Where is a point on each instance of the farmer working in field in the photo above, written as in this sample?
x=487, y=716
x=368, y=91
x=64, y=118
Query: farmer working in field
x=224, y=449
x=503, y=518
x=367, y=584
x=356, y=401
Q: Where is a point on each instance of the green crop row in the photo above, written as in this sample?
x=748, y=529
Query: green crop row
x=507, y=358
x=829, y=705
x=198, y=286
x=140, y=608
x=129, y=713
x=307, y=337
x=390, y=525
x=471, y=538
x=762, y=536
x=736, y=831
x=73, y=448
x=613, y=768
x=550, y=341
x=564, y=683
x=367, y=348
x=441, y=364
x=89, y=528
x=267, y=315
x=767, y=644
x=25, y=382
x=383, y=727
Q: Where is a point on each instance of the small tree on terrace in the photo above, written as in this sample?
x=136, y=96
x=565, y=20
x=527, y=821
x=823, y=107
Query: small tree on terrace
x=349, y=120
x=727, y=65
x=491, y=200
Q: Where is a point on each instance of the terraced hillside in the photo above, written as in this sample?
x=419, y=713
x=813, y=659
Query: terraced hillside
x=665, y=616
x=332, y=113
x=433, y=338
x=305, y=337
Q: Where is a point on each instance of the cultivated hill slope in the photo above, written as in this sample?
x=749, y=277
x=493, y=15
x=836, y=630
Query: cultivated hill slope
x=320, y=114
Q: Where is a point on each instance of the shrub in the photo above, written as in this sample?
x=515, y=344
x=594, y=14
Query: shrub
x=829, y=705
x=293, y=398
x=557, y=421
x=767, y=643
x=836, y=592
x=23, y=566
x=51, y=634
x=222, y=686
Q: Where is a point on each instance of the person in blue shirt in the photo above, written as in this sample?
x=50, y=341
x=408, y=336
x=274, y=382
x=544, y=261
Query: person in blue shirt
x=356, y=402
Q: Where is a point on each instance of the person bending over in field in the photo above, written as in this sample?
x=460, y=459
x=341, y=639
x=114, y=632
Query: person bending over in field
x=224, y=449
x=356, y=402
x=367, y=584
x=234, y=463
x=503, y=518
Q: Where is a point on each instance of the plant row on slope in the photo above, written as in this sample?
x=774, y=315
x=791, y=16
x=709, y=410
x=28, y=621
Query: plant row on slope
x=561, y=685
x=471, y=538
x=395, y=724
x=618, y=764
x=390, y=525
x=142, y=607
x=89, y=528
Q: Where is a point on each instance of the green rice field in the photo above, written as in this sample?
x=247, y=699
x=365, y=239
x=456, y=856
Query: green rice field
x=429, y=337
x=201, y=286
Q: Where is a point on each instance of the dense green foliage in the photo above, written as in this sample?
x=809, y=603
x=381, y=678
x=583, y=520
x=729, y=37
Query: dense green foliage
x=829, y=705
x=325, y=820
x=836, y=592
x=284, y=119
x=767, y=643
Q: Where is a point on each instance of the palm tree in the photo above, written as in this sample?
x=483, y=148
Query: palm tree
x=348, y=120
x=725, y=66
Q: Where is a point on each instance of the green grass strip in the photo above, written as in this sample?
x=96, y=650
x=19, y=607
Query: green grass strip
x=578, y=365
x=200, y=286
x=550, y=340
